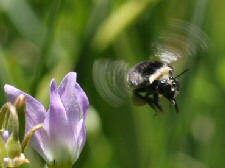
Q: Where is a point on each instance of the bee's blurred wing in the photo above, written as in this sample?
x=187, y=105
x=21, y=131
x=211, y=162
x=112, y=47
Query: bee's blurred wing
x=110, y=80
x=181, y=39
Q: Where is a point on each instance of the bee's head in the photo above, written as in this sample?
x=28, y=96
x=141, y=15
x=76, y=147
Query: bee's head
x=169, y=88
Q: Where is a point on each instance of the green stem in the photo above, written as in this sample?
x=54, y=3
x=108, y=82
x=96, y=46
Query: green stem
x=42, y=68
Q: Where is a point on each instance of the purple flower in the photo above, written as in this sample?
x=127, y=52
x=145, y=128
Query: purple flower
x=63, y=136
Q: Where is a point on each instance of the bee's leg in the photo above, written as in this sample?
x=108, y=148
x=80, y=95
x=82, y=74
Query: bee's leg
x=157, y=102
x=156, y=98
x=145, y=98
x=174, y=103
x=152, y=104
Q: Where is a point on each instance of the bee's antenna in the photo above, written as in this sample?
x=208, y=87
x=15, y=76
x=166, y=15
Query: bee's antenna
x=182, y=73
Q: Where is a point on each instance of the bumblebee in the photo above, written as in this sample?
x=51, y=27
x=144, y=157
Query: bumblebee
x=152, y=79
x=149, y=80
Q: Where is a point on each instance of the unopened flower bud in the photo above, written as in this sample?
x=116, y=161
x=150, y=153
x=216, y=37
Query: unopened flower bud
x=20, y=106
x=12, y=130
x=4, y=115
x=13, y=147
x=13, y=123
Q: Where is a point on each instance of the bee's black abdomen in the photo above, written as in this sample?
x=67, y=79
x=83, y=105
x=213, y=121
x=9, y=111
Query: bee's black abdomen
x=148, y=67
x=138, y=76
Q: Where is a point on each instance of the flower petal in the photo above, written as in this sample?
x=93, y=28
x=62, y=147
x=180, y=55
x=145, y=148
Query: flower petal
x=35, y=114
x=82, y=99
x=39, y=144
x=56, y=124
x=73, y=97
x=35, y=110
x=81, y=136
x=68, y=96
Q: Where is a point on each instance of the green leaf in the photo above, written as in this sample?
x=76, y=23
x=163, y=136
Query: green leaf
x=118, y=21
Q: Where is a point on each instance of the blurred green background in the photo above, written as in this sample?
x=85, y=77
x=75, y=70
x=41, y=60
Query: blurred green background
x=41, y=40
